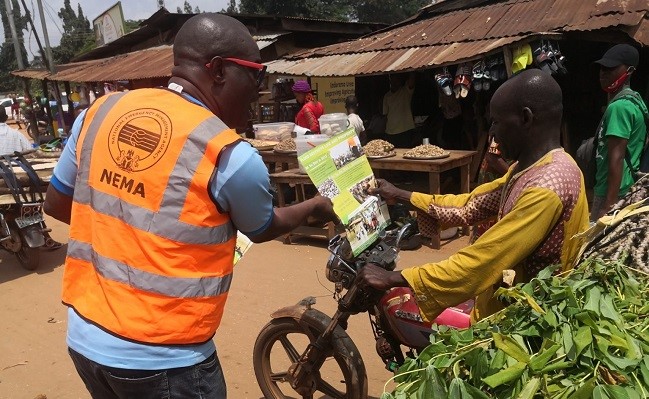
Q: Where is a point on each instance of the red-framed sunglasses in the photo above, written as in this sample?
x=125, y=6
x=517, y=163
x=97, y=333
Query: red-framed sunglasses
x=261, y=68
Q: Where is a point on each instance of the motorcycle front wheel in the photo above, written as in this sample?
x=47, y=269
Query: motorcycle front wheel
x=281, y=343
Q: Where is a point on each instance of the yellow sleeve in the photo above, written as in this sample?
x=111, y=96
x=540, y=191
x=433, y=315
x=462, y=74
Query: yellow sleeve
x=465, y=209
x=478, y=267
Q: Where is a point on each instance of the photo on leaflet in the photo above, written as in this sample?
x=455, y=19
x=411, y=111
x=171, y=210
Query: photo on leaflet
x=329, y=189
x=242, y=245
x=346, y=152
x=364, y=225
x=360, y=190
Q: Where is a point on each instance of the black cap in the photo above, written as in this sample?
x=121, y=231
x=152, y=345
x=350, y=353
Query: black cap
x=620, y=54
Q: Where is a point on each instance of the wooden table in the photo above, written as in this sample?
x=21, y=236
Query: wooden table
x=272, y=158
x=434, y=168
x=283, y=180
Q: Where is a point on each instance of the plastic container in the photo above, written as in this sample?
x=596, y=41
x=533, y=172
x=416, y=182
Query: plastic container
x=332, y=124
x=273, y=131
x=304, y=143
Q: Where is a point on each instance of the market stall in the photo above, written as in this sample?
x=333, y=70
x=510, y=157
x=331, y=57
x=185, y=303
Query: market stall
x=394, y=159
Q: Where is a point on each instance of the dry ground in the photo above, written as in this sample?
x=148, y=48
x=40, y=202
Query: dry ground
x=33, y=357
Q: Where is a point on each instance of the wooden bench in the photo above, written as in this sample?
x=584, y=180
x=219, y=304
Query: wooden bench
x=292, y=178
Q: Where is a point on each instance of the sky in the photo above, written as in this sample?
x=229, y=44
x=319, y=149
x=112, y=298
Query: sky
x=132, y=9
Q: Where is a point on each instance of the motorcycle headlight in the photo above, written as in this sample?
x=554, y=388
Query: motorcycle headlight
x=337, y=271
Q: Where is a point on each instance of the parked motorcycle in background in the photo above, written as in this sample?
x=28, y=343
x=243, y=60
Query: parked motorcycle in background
x=302, y=350
x=22, y=227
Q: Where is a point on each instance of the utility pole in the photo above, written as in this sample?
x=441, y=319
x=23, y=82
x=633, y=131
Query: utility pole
x=46, y=37
x=49, y=61
x=14, y=35
x=19, y=59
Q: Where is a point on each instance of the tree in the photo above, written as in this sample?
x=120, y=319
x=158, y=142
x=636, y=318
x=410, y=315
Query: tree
x=232, y=8
x=339, y=10
x=387, y=11
x=77, y=37
x=130, y=25
x=8, y=59
x=187, y=9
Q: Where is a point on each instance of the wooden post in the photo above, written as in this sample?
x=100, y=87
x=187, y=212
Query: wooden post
x=48, y=109
x=68, y=90
x=33, y=123
x=57, y=96
x=507, y=53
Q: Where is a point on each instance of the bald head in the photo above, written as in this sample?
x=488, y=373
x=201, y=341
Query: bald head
x=536, y=90
x=210, y=34
x=526, y=116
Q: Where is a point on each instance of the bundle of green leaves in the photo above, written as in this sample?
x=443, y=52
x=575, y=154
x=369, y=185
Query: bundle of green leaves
x=581, y=334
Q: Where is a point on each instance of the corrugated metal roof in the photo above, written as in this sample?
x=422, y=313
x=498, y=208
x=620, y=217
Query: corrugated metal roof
x=463, y=34
x=144, y=64
x=378, y=62
x=641, y=33
x=266, y=40
x=432, y=40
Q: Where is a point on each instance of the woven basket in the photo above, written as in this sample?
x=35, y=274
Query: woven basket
x=428, y=226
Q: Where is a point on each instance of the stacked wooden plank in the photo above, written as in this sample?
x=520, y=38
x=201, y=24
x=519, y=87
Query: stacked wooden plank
x=43, y=166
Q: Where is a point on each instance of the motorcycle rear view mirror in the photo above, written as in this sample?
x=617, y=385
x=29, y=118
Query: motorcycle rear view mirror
x=406, y=231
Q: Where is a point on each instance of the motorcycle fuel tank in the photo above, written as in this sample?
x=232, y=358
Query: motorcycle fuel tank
x=401, y=311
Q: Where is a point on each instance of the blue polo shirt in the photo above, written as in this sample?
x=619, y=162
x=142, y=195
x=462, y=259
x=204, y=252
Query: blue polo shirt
x=241, y=187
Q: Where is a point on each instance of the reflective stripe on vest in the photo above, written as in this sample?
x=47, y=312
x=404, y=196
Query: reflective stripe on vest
x=169, y=286
x=152, y=268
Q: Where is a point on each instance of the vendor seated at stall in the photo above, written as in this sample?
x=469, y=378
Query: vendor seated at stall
x=311, y=108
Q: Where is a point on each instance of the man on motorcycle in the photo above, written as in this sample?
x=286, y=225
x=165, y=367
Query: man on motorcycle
x=539, y=205
x=155, y=186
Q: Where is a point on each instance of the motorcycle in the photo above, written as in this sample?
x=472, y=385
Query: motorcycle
x=394, y=318
x=22, y=227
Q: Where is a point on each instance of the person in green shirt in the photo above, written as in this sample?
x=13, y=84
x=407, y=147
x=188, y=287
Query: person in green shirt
x=622, y=131
x=538, y=206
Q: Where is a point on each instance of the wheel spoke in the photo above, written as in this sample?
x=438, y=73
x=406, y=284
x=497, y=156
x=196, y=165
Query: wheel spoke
x=290, y=349
x=327, y=389
x=279, y=377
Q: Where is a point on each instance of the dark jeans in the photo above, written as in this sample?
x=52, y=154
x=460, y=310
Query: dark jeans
x=402, y=140
x=204, y=380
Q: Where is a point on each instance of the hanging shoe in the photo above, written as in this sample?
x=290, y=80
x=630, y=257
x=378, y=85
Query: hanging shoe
x=541, y=59
x=463, y=80
x=486, y=84
x=478, y=74
x=444, y=82
x=560, y=60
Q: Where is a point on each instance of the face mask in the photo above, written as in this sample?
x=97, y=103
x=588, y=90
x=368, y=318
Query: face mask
x=619, y=82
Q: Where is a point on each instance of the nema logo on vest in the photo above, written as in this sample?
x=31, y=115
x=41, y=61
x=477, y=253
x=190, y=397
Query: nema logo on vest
x=139, y=138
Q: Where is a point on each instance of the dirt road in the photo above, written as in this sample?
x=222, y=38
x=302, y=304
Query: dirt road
x=33, y=357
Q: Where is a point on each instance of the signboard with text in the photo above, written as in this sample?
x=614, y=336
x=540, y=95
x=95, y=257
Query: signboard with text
x=333, y=91
x=109, y=25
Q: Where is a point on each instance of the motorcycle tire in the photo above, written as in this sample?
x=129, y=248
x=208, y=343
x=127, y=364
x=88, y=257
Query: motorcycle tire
x=344, y=353
x=29, y=258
